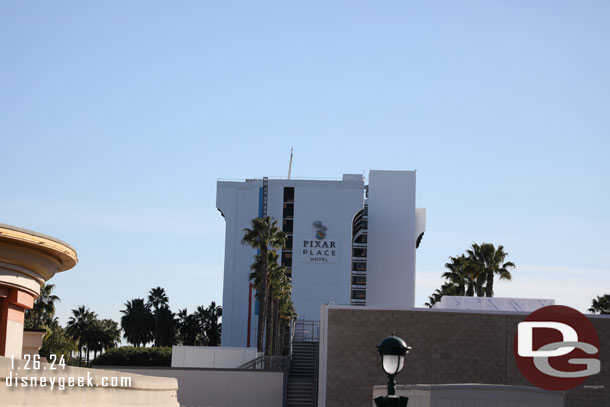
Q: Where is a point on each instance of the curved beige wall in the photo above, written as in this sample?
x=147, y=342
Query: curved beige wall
x=27, y=260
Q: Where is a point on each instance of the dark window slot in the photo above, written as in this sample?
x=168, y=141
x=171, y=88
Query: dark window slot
x=289, y=194
x=358, y=294
x=359, y=252
x=361, y=239
x=287, y=225
x=358, y=280
x=288, y=210
x=358, y=266
x=287, y=259
x=288, y=242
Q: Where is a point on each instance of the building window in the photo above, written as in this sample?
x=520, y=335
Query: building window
x=361, y=239
x=287, y=225
x=358, y=295
x=287, y=259
x=289, y=194
x=288, y=242
x=288, y=210
x=358, y=252
x=359, y=265
x=358, y=280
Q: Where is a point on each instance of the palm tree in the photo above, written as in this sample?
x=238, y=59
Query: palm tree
x=263, y=235
x=287, y=315
x=201, y=316
x=43, y=312
x=283, y=308
x=489, y=261
x=449, y=288
x=189, y=328
x=103, y=335
x=213, y=328
x=112, y=334
x=461, y=274
x=434, y=298
x=157, y=299
x=257, y=276
x=601, y=305
x=58, y=342
x=137, y=322
x=279, y=290
x=166, y=326
x=79, y=327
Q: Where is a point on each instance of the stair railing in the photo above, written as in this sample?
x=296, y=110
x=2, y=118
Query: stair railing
x=307, y=331
x=285, y=384
x=266, y=363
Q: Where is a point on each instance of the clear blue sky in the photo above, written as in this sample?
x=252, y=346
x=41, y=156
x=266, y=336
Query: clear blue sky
x=117, y=118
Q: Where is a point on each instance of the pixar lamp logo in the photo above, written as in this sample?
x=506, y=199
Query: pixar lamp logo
x=557, y=348
x=320, y=249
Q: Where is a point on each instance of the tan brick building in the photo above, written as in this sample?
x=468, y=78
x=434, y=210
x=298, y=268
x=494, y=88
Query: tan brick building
x=448, y=347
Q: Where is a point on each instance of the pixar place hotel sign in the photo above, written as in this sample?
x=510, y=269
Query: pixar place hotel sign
x=319, y=249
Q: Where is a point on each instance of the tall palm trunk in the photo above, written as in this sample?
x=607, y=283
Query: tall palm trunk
x=470, y=290
x=156, y=327
x=262, y=304
x=489, y=287
x=269, y=328
x=276, y=326
x=480, y=287
x=278, y=330
x=281, y=335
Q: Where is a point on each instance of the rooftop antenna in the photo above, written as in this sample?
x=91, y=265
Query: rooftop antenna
x=290, y=164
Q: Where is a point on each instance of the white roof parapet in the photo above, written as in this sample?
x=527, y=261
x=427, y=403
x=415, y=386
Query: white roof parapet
x=492, y=303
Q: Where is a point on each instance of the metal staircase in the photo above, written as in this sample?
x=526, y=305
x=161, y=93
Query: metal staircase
x=302, y=384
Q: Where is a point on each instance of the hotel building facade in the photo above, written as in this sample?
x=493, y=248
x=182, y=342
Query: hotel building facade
x=348, y=243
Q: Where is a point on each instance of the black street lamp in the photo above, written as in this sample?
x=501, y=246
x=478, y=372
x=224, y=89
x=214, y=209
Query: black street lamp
x=392, y=350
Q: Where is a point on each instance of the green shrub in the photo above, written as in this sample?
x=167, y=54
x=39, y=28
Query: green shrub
x=133, y=356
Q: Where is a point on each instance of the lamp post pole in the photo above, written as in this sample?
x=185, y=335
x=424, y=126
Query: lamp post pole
x=391, y=385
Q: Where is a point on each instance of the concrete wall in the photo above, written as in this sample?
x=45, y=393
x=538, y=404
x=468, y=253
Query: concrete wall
x=211, y=356
x=14, y=339
x=448, y=347
x=474, y=395
x=32, y=341
x=391, y=239
x=222, y=387
x=142, y=391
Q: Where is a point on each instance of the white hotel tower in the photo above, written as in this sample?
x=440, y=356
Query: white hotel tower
x=348, y=243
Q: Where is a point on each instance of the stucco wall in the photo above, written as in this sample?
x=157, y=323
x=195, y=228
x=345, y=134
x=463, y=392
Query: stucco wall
x=448, y=347
x=222, y=387
x=391, y=239
x=211, y=356
x=474, y=395
x=139, y=391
